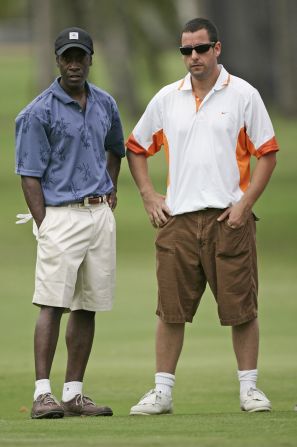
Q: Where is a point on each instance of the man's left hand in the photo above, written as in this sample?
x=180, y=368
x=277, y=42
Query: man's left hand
x=237, y=215
x=112, y=200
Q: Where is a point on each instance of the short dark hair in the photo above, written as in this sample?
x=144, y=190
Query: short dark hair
x=199, y=23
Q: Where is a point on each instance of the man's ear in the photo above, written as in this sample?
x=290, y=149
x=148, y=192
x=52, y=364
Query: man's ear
x=57, y=60
x=218, y=48
x=91, y=60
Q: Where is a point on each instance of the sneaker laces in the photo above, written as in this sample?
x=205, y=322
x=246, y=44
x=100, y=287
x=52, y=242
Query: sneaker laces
x=256, y=394
x=84, y=401
x=47, y=398
x=150, y=393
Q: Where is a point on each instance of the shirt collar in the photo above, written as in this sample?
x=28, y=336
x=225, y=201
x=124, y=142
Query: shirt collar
x=60, y=93
x=222, y=81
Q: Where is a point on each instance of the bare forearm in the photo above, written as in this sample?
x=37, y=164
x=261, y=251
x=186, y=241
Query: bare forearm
x=139, y=170
x=261, y=176
x=34, y=197
x=239, y=212
x=113, y=168
x=154, y=203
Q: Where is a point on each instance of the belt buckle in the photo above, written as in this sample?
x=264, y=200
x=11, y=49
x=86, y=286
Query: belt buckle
x=86, y=202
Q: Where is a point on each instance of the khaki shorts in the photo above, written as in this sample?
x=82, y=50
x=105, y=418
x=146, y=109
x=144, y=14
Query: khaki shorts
x=194, y=249
x=75, y=266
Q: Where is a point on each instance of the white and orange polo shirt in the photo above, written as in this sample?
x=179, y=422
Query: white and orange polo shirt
x=208, y=143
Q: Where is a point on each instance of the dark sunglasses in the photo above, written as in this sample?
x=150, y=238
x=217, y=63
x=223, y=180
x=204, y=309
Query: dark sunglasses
x=202, y=48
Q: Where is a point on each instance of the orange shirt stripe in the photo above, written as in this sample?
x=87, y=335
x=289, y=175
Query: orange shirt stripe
x=244, y=149
x=270, y=146
x=198, y=103
x=166, y=148
x=135, y=147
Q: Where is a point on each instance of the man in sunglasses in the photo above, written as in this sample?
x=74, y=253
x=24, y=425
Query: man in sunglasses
x=210, y=123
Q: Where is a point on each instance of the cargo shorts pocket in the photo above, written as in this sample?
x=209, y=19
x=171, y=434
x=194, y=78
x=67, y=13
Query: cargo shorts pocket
x=233, y=241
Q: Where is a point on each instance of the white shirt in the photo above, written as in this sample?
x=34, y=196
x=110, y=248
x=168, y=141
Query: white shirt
x=208, y=144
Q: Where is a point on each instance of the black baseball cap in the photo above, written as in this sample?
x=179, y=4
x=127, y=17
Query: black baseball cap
x=73, y=37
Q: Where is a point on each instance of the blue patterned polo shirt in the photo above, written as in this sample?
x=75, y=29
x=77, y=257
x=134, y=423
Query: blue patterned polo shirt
x=65, y=146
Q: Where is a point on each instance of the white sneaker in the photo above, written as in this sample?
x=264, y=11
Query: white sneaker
x=254, y=400
x=152, y=403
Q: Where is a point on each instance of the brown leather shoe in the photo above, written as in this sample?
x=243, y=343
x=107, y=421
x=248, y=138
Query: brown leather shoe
x=84, y=406
x=46, y=406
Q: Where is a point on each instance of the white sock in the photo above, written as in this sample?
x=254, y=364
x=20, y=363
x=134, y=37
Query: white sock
x=247, y=379
x=164, y=382
x=42, y=386
x=70, y=390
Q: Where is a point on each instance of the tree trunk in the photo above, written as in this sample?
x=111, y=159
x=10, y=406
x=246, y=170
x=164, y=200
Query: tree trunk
x=43, y=42
x=285, y=61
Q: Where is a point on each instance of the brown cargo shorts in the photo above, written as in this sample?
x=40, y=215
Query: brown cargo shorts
x=194, y=249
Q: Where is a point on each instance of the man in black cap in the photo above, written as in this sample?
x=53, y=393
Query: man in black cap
x=69, y=145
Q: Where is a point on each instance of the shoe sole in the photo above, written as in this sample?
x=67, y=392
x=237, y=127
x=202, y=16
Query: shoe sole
x=138, y=413
x=49, y=415
x=255, y=410
x=106, y=413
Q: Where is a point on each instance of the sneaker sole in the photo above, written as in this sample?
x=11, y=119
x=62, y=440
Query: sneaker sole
x=49, y=415
x=254, y=410
x=138, y=413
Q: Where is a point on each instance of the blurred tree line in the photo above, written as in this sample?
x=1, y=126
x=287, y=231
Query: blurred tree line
x=259, y=41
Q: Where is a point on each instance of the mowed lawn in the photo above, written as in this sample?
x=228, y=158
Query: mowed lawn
x=121, y=367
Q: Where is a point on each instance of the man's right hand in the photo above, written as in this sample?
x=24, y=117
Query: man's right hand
x=156, y=208
x=34, y=198
x=154, y=203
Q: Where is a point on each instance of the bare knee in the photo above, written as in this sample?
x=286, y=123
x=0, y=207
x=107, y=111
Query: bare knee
x=51, y=313
x=248, y=325
x=83, y=314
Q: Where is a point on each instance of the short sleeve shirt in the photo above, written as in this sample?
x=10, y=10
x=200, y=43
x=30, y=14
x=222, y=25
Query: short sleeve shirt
x=208, y=143
x=66, y=146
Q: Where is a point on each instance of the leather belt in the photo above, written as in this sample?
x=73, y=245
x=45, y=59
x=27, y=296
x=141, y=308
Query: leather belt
x=93, y=200
x=87, y=201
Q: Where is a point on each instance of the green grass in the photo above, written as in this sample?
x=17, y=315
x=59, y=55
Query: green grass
x=121, y=367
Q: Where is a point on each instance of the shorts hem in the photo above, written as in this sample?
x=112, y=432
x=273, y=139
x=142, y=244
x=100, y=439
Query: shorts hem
x=172, y=319
x=93, y=309
x=66, y=309
x=71, y=309
x=238, y=321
